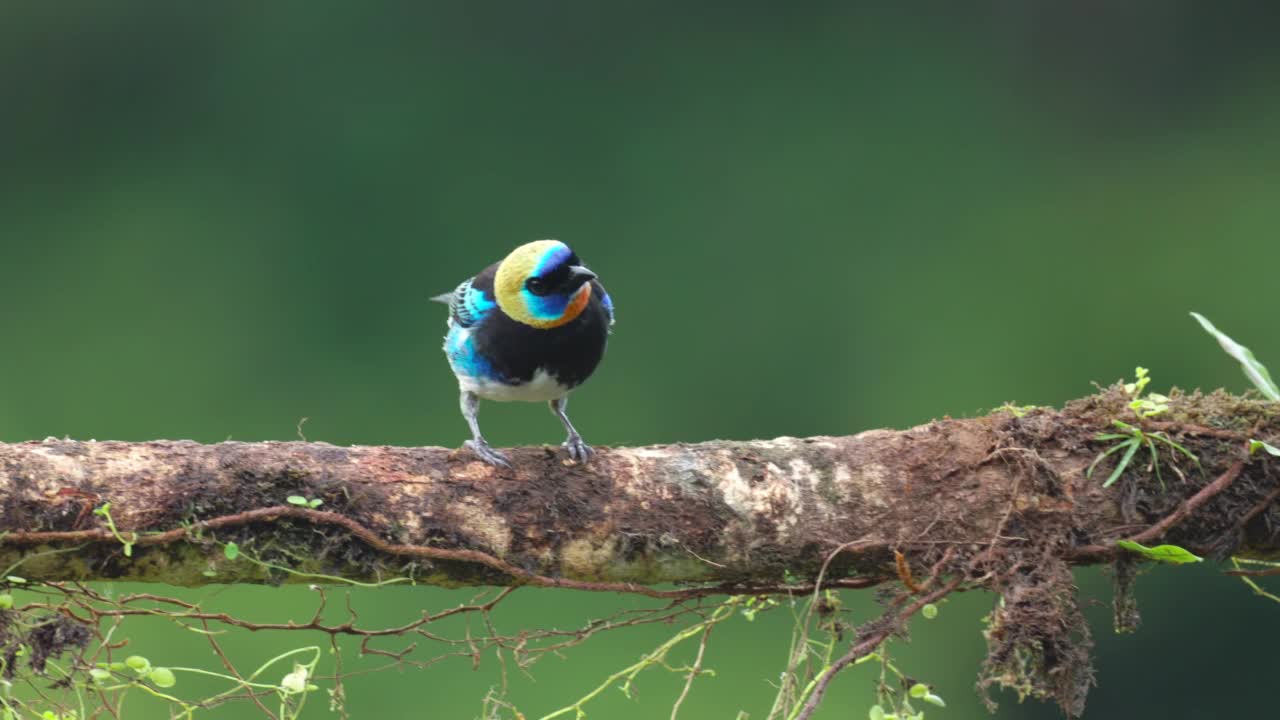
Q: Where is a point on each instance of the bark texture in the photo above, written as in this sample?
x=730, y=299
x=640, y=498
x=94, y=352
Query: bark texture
x=724, y=512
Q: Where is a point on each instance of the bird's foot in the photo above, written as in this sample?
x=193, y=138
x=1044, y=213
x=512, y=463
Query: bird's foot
x=486, y=453
x=578, y=450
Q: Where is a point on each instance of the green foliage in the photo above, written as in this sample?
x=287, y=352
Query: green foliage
x=138, y=663
x=104, y=512
x=755, y=604
x=920, y=691
x=656, y=658
x=1149, y=406
x=1171, y=554
x=138, y=674
x=304, y=502
x=890, y=696
x=1254, y=370
x=232, y=551
x=1256, y=445
x=1016, y=410
x=1133, y=438
x=1255, y=587
x=162, y=677
x=1130, y=440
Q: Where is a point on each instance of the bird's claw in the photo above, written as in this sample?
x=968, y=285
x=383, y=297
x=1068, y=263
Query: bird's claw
x=578, y=450
x=487, y=454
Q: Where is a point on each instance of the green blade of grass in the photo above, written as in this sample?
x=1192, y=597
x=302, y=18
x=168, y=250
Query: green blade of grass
x=1114, y=448
x=1167, y=441
x=1155, y=461
x=1133, y=444
x=1254, y=370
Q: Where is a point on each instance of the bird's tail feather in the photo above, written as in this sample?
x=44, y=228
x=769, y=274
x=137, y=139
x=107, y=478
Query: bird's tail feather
x=446, y=298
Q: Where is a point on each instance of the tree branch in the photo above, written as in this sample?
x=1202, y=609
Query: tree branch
x=738, y=515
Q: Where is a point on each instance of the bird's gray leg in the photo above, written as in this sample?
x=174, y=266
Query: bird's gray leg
x=578, y=450
x=470, y=403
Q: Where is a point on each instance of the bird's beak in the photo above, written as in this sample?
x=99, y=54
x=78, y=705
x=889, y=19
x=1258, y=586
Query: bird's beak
x=578, y=271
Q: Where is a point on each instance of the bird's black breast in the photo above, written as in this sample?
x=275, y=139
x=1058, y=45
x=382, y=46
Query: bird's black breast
x=569, y=353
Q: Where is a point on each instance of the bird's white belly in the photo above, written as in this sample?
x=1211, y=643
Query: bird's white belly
x=541, y=388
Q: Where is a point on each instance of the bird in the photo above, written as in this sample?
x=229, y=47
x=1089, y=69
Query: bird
x=532, y=327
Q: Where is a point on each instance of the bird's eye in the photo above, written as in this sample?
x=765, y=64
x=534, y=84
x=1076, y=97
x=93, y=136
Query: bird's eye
x=537, y=286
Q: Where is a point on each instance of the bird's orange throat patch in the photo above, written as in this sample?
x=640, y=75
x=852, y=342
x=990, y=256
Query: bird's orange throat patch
x=576, y=305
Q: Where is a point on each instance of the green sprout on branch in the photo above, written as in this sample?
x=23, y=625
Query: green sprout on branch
x=105, y=513
x=1132, y=438
x=1144, y=407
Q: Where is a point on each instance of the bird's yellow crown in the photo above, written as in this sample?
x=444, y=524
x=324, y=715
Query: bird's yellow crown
x=537, y=259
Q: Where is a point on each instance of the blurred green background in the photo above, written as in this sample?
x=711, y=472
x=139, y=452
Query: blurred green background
x=817, y=218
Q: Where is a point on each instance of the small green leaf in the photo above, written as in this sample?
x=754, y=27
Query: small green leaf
x=137, y=662
x=231, y=551
x=934, y=700
x=875, y=713
x=929, y=611
x=1254, y=370
x=1161, y=553
x=162, y=677
x=315, y=503
x=296, y=500
x=209, y=573
x=6, y=601
x=17, y=580
x=1256, y=445
x=102, y=511
x=1124, y=462
x=918, y=690
x=99, y=675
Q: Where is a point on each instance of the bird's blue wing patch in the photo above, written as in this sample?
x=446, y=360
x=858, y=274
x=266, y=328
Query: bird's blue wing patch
x=466, y=361
x=469, y=305
x=608, y=304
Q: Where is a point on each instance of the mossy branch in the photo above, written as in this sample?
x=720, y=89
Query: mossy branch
x=1006, y=502
x=717, y=512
